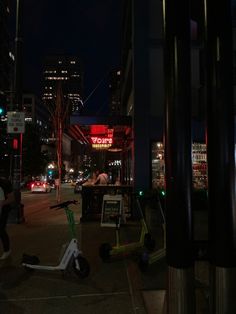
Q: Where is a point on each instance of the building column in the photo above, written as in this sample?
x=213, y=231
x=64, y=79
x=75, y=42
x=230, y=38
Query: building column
x=178, y=161
x=220, y=153
x=141, y=111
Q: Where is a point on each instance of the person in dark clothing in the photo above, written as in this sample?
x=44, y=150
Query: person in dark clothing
x=6, y=199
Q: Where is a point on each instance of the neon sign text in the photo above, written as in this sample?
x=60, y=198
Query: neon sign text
x=99, y=142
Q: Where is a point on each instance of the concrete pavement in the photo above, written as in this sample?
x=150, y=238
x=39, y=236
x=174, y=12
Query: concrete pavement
x=114, y=287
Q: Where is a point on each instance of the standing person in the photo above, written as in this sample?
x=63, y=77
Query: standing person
x=6, y=200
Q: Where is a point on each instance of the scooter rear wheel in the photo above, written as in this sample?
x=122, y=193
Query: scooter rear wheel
x=84, y=270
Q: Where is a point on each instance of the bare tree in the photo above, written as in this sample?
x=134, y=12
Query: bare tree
x=59, y=113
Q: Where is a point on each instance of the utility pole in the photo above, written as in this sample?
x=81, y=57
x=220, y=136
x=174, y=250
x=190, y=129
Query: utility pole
x=15, y=118
x=17, y=98
x=18, y=58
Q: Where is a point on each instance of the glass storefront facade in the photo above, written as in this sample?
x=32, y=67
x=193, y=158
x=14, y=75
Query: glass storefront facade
x=158, y=165
x=199, y=165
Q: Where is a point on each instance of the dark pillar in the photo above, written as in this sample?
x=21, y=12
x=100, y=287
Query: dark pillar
x=180, y=294
x=16, y=172
x=220, y=151
x=17, y=157
x=141, y=88
x=18, y=58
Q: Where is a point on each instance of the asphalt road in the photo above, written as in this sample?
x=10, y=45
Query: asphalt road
x=36, y=206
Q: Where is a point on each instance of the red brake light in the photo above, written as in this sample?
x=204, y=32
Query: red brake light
x=15, y=143
x=32, y=185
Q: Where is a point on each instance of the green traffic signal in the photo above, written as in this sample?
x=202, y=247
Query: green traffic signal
x=3, y=104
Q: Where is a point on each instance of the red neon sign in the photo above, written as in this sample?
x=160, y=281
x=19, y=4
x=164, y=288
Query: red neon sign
x=102, y=140
x=98, y=129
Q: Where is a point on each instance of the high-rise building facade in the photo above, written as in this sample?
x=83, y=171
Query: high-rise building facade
x=36, y=113
x=68, y=71
x=114, y=89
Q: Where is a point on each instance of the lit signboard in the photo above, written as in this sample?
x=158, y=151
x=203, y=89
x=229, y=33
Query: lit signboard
x=101, y=142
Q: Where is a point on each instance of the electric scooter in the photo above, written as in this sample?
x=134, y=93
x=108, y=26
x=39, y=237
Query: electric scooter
x=106, y=250
x=72, y=255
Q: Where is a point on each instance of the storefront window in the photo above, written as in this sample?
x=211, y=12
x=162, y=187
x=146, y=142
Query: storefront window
x=127, y=169
x=199, y=163
x=158, y=165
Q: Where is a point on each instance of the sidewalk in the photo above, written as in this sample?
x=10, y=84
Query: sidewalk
x=115, y=287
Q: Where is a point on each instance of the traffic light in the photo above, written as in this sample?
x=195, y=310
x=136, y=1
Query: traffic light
x=2, y=110
x=141, y=193
x=3, y=105
x=163, y=193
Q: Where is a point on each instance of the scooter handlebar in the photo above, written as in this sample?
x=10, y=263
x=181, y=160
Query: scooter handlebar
x=64, y=204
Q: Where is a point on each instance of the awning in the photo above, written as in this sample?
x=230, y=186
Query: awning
x=83, y=128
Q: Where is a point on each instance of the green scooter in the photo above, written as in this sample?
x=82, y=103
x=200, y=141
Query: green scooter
x=72, y=256
x=106, y=250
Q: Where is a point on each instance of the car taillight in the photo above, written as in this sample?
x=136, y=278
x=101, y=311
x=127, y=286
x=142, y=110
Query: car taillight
x=32, y=185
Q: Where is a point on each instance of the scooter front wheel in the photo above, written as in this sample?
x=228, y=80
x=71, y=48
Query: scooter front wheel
x=84, y=267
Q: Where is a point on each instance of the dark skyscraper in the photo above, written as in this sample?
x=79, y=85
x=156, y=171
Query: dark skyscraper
x=114, y=88
x=67, y=70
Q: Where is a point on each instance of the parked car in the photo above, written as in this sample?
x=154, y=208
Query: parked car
x=52, y=183
x=41, y=186
x=26, y=185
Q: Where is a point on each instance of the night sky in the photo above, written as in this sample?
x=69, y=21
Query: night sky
x=90, y=29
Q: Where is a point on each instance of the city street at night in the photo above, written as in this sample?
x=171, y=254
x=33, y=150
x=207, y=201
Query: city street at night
x=113, y=287
x=117, y=157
